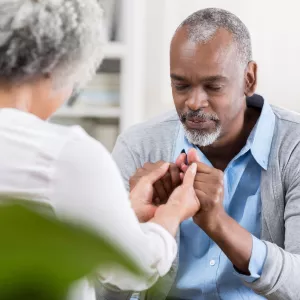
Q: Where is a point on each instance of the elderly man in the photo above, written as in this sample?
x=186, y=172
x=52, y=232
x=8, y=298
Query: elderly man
x=244, y=242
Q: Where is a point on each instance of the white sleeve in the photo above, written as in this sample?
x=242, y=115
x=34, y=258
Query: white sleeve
x=87, y=186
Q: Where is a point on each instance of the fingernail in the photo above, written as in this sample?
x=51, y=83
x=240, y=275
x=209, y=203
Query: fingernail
x=194, y=167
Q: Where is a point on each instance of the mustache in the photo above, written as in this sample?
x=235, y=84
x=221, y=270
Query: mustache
x=198, y=114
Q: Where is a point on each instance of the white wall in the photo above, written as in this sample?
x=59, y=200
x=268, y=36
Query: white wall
x=275, y=31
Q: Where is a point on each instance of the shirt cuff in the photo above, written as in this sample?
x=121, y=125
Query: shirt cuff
x=257, y=261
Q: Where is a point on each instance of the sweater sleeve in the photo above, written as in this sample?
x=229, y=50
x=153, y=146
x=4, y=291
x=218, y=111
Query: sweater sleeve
x=281, y=272
x=126, y=160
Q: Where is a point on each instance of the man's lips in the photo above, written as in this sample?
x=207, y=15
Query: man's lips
x=199, y=123
x=197, y=120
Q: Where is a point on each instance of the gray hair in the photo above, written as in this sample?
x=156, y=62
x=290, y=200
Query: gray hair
x=203, y=24
x=63, y=38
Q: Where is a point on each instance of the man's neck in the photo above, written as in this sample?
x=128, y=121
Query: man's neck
x=224, y=150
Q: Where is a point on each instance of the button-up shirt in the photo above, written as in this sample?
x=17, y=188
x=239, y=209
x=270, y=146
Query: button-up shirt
x=205, y=273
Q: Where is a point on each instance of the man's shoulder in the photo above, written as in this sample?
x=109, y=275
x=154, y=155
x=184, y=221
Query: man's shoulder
x=163, y=127
x=287, y=117
x=288, y=126
x=286, y=142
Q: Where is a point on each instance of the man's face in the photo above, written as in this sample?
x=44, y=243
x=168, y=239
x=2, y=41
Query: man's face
x=207, y=85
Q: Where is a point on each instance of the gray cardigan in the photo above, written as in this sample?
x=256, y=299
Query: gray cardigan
x=280, y=194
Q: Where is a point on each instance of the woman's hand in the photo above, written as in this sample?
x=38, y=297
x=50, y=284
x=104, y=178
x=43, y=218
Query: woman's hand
x=182, y=204
x=142, y=194
x=184, y=197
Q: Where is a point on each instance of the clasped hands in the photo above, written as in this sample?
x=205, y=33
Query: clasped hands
x=195, y=189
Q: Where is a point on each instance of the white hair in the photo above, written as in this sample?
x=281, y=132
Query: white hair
x=63, y=38
x=203, y=25
x=198, y=137
x=202, y=139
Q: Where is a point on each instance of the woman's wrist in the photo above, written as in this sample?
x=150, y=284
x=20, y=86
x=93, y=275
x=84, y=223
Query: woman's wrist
x=168, y=217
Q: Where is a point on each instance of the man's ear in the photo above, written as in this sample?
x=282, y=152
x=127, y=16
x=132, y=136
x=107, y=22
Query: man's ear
x=250, y=79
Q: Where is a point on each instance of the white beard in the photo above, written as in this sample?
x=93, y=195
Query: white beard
x=202, y=139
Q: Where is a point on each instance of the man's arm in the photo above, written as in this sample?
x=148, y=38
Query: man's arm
x=235, y=241
x=281, y=273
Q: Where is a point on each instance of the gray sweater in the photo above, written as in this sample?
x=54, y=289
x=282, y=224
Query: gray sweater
x=280, y=196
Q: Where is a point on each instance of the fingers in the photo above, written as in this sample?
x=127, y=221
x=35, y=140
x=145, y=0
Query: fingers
x=190, y=174
x=175, y=176
x=157, y=173
x=167, y=182
x=162, y=194
x=193, y=156
x=211, y=178
x=184, y=168
x=203, y=168
x=206, y=188
x=181, y=160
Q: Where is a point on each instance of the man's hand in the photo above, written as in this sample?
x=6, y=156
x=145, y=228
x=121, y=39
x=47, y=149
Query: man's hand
x=182, y=204
x=141, y=196
x=233, y=239
x=164, y=186
x=209, y=188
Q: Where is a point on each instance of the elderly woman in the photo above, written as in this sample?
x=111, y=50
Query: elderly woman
x=47, y=47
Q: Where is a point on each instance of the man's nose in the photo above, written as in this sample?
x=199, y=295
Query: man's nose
x=198, y=99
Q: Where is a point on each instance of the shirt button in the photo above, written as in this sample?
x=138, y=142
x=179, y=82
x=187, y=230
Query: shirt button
x=212, y=262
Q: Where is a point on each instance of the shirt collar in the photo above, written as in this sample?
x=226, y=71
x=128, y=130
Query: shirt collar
x=262, y=134
x=259, y=141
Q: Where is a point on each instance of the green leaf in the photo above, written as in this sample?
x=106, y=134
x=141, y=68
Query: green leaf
x=40, y=255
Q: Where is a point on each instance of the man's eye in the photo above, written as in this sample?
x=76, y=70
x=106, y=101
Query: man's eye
x=215, y=88
x=181, y=87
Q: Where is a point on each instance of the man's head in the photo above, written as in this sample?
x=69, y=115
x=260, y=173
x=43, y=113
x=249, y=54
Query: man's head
x=211, y=73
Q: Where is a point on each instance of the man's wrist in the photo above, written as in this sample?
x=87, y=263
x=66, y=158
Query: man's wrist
x=232, y=238
x=214, y=223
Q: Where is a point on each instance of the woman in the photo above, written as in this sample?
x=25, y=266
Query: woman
x=47, y=48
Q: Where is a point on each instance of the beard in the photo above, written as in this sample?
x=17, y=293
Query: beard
x=201, y=137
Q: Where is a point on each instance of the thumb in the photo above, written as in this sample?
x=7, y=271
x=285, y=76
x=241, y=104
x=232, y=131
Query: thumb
x=158, y=173
x=193, y=156
x=190, y=174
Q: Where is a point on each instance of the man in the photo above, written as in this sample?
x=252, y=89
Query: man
x=244, y=242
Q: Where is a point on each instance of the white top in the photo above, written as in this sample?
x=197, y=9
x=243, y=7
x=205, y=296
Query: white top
x=73, y=173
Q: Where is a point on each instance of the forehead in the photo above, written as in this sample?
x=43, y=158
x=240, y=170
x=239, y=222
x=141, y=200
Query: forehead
x=218, y=56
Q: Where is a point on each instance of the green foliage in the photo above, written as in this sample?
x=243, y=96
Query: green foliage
x=40, y=256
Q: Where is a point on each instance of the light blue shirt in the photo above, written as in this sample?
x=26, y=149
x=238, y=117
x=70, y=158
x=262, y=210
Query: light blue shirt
x=205, y=273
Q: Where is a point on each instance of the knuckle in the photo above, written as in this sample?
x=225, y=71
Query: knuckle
x=144, y=181
x=217, y=194
x=132, y=179
x=220, y=178
x=220, y=174
x=139, y=170
x=147, y=165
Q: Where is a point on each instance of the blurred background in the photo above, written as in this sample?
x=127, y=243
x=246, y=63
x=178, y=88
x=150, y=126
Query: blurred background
x=133, y=85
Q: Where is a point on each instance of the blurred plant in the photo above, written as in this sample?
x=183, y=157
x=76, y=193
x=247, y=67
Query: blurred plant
x=40, y=256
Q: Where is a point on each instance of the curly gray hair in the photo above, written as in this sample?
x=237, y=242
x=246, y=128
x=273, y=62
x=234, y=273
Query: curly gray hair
x=203, y=24
x=63, y=38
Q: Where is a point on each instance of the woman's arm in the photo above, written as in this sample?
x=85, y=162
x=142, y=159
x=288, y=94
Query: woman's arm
x=87, y=187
